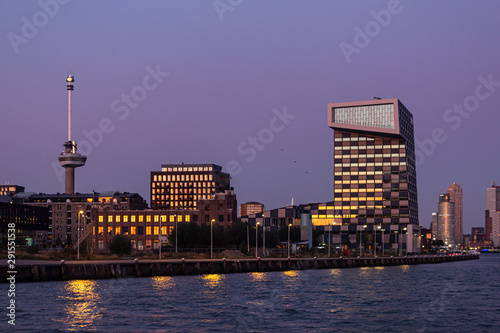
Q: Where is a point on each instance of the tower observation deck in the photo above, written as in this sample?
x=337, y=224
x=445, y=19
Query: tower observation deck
x=69, y=158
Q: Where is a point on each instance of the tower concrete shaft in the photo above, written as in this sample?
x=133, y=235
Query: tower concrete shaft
x=70, y=159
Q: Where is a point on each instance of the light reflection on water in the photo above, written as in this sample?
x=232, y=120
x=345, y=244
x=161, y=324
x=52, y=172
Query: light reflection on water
x=256, y=276
x=291, y=273
x=163, y=282
x=376, y=299
x=212, y=280
x=81, y=309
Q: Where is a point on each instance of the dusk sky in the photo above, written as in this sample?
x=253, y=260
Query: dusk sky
x=245, y=84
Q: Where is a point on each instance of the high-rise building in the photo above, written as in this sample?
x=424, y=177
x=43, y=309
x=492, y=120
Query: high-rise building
x=251, y=207
x=492, y=215
x=446, y=220
x=374, y=168
x=456, y=196
x=434, y=226
x=181, y=186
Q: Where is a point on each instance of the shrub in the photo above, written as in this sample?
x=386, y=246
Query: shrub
x=120, y=245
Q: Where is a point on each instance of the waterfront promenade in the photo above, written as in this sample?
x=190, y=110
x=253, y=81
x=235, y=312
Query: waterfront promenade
x=39, y=270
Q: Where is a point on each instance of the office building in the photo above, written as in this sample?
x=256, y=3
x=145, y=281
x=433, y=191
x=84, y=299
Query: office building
x=30, y=224
x=142, y=226
x=492, y=206
x=10, y=189
x=374, y=167
x=446, y=220
x=68, y=211
x=180, y=186
x=456, y=196
x=434, y=226
x=251, y=207
x=492, y=215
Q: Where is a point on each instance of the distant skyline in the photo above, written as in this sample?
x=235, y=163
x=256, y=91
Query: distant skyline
x=245, y=85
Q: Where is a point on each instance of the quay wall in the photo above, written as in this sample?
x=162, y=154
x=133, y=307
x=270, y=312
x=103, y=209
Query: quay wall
x=85, y=270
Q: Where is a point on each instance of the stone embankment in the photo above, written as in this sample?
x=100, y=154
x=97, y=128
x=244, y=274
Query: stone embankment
x=35, y=271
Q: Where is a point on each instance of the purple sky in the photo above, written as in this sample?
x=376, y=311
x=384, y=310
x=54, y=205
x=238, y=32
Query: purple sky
x=227, y=72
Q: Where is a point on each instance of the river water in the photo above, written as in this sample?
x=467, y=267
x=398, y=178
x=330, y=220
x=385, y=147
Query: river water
x=449, y=297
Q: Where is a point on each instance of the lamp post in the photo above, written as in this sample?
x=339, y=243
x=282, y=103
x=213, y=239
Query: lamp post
x=375, y=241
x=363, y=230
x=175, y=218
x=340, y=240
x=256, y=239
x=359, y=242
x=406, y=239
x=383, y=245
x=397, y=238
x=159, y=241
x=80, y=213
x=263, y=235
x=211, y=238
x=330, y=239
x=289, y=226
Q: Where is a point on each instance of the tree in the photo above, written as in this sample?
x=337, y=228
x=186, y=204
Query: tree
x=120, y=245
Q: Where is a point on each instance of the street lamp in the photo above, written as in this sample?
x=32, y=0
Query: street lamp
x=375, y=240
x=289, y=225
x=263, y=235
x=175, y=218
x=256, y=239
x=159, y=240
x=397, y=238
x=330, y=239
x=406, y=239
x=360, y=239
x=211, y=238
x=80, y=213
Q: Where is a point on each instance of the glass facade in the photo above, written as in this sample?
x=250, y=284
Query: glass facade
x=381, y=115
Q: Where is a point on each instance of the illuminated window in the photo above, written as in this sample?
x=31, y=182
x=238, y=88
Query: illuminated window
x=125, y=218
x=179, y=218
x=100, y=230
x=117, y=218
x=156, y=218
x=132, y=218
x=110, y=218
x=101, y=218
x=156, y=231
x=148, y=218
x=132, y=230
x=170, y=230
x=188, y=218
x=164, y=218
x=118, y=230
x=148, y=230
x=141, y=218
x=110, y=230
x=172, y=218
